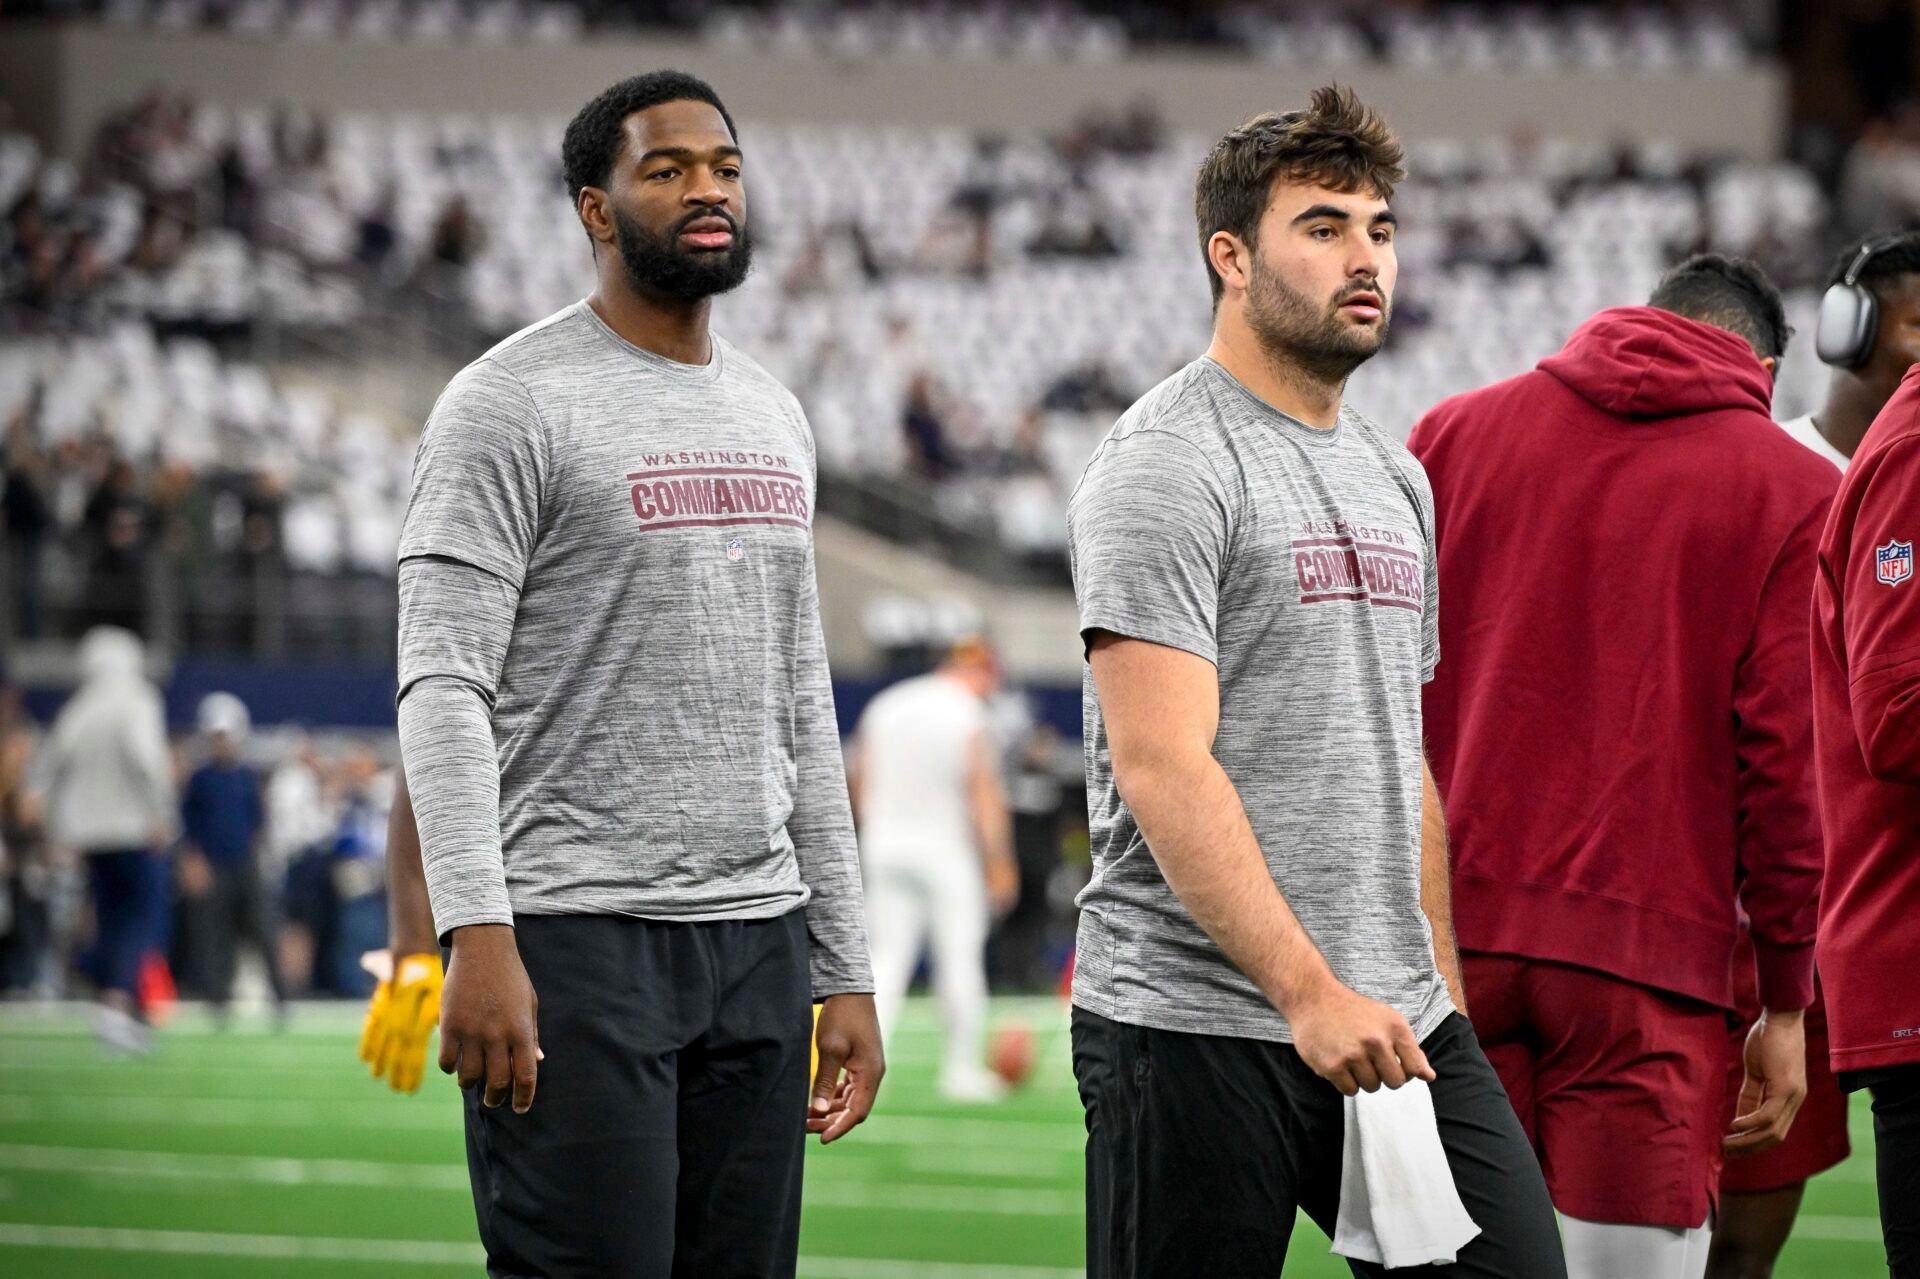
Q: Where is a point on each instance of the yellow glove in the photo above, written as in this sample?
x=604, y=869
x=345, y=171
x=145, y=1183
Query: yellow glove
x=412, y=1011
x=373, y=1032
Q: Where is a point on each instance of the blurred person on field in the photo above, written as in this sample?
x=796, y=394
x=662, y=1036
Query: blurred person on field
x=223, y=819
x=25, y=932
x=299, y=813
x=300, y=821
x=357, y=871
x=106, y=783
x=936, y=847
x=1036, y=798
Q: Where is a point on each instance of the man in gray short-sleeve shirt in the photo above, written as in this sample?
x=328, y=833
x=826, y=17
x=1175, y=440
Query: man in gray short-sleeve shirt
x=1298, y=560
x=621, y=746
x=1267, y=926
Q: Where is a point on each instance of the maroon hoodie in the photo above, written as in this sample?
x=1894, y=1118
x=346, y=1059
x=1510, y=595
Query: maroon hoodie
x=1621, y=724
x=1866, y=700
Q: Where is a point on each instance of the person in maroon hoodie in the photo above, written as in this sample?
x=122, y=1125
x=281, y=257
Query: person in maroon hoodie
x=1760, y=1196
x=1622, y=736
x=1866, y=700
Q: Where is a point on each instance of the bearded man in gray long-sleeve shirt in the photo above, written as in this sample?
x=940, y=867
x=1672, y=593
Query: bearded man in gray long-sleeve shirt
x=621, y=747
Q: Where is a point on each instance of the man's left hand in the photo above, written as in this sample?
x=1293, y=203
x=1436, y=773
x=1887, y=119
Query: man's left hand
x=1776, y=1084
x=847, y=1038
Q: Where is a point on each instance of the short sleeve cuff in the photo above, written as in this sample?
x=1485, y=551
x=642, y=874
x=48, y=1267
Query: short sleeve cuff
x=1161, y=631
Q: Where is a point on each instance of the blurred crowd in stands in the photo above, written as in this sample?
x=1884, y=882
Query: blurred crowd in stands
x=961, y=315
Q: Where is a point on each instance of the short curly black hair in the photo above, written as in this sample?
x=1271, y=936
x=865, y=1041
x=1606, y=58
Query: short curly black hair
x=1898, y=254
x=1729, y=293
x=593, y=136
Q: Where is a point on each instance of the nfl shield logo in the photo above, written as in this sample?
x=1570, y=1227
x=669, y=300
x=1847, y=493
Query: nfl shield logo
x=1893, y=563
x=736, y=551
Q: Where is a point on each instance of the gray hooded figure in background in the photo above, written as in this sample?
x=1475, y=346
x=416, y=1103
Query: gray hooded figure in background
x=105, y=778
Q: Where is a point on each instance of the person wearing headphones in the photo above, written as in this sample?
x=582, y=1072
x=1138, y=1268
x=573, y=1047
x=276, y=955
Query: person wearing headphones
x=1866, y=704
x=1870, y=334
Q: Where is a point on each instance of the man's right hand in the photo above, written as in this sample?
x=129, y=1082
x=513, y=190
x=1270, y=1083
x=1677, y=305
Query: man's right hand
x=1355, y=1043
x=489, y=1017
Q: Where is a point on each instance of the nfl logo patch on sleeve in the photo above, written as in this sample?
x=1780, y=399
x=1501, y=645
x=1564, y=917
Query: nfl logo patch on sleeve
x=1893, y=563
x=736, y=551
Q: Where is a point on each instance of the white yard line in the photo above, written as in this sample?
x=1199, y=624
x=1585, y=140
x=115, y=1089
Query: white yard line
x=987, y=1161
x=445, y=1252
x=825, y=1189
x=380, y=1109
x=209, y=1244
x=985, y=1201
x=251, y=1169
x=377, y=1110
x=146, y=1070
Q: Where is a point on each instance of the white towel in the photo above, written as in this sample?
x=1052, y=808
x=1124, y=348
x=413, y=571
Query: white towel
x=1398, y=1204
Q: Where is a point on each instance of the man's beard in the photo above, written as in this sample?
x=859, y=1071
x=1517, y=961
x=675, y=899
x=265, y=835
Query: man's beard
x=1321, y=343
x=658, y=264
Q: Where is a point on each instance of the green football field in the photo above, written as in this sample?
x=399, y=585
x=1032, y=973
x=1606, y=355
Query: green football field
x=259, y=1154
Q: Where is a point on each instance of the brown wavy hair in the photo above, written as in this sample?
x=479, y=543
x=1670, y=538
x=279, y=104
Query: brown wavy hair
x=1338, y=142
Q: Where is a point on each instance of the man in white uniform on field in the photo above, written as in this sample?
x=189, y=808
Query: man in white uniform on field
x=936, y=846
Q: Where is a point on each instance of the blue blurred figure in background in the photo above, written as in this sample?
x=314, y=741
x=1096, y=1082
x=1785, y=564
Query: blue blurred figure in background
x=358, y=875
x=223, y=821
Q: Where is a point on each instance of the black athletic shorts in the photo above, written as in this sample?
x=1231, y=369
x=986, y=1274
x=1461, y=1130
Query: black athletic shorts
x=668, y=1126
x=1201, y=1147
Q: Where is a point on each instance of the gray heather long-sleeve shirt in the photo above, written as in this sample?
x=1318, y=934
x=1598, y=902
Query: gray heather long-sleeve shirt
x=613, y=686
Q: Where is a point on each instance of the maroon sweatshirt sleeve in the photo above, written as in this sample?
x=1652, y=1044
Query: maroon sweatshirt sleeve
x=1883, y=616
x=1779, y=829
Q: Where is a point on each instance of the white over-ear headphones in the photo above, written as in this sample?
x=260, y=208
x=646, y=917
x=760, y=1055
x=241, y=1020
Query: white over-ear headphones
x=1850, y=314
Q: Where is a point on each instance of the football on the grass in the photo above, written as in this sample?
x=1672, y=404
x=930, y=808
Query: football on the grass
x=1011, y=1053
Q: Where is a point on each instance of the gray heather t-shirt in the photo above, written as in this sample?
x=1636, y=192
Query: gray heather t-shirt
x=1300, y=562
x=661, y=711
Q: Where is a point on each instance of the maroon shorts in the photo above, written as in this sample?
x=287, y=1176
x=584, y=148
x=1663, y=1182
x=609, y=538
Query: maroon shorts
x=1618, y=1086
x=1818, y=1139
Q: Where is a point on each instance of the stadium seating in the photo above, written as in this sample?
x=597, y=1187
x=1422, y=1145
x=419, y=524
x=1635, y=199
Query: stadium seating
x=999, y=277
x=178, y=404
